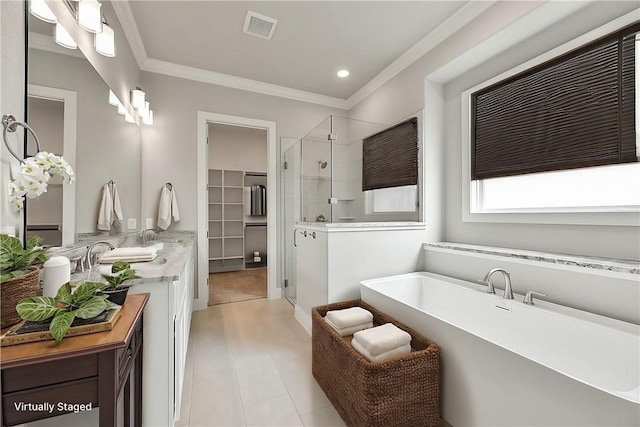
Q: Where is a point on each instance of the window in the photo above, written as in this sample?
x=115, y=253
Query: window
x=560, y=135
x=390, y=157
x=391, y=200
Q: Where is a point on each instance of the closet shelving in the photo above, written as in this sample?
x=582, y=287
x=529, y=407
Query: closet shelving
x=231, y=247
x=226, y=222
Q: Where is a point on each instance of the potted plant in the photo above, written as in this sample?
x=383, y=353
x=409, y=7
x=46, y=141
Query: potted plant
x=117, y=289
x=60, y=311
x=19, y=274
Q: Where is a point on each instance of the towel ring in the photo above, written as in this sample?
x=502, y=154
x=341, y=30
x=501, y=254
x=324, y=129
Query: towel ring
x=10, y=124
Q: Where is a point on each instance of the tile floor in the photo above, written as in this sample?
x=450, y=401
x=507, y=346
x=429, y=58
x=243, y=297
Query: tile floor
x=249, y=364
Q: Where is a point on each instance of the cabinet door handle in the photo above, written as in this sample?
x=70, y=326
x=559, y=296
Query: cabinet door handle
x=294, y=237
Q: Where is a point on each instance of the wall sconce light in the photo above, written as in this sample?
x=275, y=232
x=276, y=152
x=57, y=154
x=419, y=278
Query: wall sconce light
x=113, y=99
x=105, y=42
x=137, y=99
x=40, y=10
x=129, y=118
x=148, y=119
x=89, y=16
x=63, y=38
x=121, y=110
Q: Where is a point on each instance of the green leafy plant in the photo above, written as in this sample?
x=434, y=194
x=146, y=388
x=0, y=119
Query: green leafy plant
x=85, y=303
x=14, y=260
x=121, y=272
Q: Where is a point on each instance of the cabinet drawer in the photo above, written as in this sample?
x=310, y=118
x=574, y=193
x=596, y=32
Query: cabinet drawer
x=54, y=372
x=16, y=407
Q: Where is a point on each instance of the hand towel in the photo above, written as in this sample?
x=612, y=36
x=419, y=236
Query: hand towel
x=129, y=255
x=398, y=351
x=382, y=338
x=168, y=207
x=350, y=330
x=110, y=210
x=349, y=317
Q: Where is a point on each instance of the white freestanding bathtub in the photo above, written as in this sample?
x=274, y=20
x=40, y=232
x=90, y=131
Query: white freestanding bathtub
x=601, y=352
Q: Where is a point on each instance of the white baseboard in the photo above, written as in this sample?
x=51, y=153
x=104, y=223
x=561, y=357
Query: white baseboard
x=303, y=318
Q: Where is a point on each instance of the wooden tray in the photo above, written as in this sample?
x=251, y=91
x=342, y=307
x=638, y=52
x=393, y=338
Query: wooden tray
x=25, y=331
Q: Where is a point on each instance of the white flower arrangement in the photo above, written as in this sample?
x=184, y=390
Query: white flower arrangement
x=32, y=179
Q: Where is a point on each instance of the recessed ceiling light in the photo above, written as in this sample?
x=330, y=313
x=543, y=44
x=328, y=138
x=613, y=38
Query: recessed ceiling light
x=343, y=73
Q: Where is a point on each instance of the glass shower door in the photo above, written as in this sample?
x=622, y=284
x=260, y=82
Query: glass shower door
x=292, y=205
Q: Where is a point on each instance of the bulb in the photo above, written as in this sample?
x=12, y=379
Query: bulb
x=41, y=10
x=63, y=38
x=113, y=99
x=137, y=99
x=89, y=16
x=105, y=42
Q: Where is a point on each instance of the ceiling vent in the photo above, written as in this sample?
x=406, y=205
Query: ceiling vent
x=259, y=25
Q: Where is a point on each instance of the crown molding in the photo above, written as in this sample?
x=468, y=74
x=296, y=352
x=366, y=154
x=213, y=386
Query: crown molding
x=454, y=23
x=130, y=28
x=47, y=43
x=220, y=79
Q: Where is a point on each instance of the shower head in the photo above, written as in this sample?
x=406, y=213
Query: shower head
x=322, y=164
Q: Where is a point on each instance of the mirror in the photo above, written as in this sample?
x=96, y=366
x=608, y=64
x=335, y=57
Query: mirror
x=67, y=106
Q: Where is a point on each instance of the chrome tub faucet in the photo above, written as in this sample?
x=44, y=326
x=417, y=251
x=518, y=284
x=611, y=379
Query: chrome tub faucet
x=508, y=292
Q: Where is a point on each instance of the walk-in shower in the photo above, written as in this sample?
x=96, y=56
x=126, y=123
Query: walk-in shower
x=324, y=176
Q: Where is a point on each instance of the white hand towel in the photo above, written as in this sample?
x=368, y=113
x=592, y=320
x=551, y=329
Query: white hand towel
x=110, y=210
x=398, y=351
x=382, y=338
x=349, y=317
x=350, y=330
x=167, y=208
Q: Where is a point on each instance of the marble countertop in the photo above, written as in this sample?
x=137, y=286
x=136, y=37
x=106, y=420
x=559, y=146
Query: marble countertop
x=610, y=264
x=351, y=226
x=166, y=267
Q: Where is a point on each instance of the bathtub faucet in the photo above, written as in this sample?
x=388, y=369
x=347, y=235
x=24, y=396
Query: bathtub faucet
x=508, y=293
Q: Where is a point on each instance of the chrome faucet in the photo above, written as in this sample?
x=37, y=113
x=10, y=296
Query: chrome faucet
x=90, y=260
x=148, y=235
x=508, y=292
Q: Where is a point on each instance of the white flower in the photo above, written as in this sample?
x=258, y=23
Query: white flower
x=32, y=179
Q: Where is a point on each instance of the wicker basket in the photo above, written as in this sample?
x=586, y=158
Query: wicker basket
x=24, y=286
x=402, y=391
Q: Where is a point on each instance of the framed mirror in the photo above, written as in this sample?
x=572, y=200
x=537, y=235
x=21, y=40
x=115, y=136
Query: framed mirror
x=67, y=105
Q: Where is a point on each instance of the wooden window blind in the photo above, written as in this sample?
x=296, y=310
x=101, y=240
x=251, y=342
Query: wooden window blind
x=574, y=111
x=390, y=157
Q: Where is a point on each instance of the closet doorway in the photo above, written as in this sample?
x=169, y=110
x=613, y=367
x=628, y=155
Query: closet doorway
x=237, y=231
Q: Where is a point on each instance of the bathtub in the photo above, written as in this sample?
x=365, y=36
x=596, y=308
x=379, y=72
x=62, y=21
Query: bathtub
x=598, y=351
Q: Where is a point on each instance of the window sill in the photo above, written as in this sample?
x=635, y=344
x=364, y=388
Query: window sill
x=624, y=219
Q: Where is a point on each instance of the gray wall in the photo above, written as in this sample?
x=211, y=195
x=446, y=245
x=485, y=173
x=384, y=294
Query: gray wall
x=12, y=36
x=401, y=96
x=169, y=146
x=107, y=146
x=237, y=148
x=48, y=117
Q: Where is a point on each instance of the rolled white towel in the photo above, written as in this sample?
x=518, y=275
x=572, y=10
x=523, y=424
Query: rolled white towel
x=350, y=330
x=382, y=338
x=349, y=317
x=398, y=351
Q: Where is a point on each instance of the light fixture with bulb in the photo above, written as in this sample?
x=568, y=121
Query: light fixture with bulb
x=41, y=10
x=63, y=38
x=89, y=15
x=113, y=99
x=105, y=42
x=343, y=73
x=137, y=99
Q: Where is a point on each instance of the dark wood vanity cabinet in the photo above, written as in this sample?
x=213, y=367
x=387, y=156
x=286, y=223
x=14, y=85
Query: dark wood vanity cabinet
x=45, y=379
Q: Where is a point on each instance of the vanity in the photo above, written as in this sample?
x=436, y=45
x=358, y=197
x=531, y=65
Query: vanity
x=169, y=281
